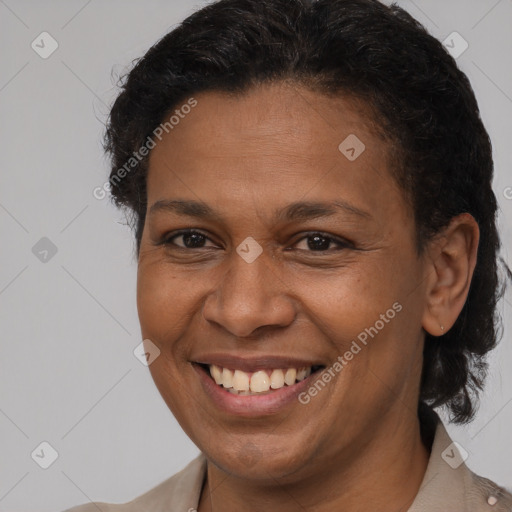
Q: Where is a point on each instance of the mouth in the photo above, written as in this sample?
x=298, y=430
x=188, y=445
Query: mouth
x=262, y=381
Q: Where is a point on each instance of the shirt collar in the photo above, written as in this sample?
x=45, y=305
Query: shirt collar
x=446, y=476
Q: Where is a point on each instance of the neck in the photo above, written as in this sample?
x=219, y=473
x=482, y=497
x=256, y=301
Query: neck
x=384, y=473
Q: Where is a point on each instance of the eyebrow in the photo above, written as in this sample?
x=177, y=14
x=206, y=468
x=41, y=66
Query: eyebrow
x=298, y=211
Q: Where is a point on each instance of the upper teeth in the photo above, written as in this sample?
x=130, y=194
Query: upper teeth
x=257, y=382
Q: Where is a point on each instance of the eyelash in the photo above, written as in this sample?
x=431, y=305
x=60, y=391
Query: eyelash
x=342, y=244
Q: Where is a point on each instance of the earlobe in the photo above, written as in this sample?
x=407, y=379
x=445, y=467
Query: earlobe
x=451, y=262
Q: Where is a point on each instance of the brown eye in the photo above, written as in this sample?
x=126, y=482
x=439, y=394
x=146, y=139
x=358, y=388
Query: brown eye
x=320, y=242
x=189, y=240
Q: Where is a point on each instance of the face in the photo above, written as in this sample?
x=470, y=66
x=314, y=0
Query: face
x=269, y=247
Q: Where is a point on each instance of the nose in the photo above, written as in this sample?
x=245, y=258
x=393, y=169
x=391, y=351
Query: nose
x=250, y=296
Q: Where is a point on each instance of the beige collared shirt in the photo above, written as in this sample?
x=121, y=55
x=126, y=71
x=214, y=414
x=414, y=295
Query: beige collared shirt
x=448, y=486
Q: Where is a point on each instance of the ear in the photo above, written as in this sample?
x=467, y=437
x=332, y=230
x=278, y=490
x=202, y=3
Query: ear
x=450, y=260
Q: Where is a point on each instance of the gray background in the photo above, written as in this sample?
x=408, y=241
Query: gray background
x=69, y=324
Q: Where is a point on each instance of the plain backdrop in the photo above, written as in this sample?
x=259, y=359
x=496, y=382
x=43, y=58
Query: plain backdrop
x=69, y=324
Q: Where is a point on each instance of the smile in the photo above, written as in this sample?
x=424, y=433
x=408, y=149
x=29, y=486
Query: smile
x=239, y=382
x=252, y=387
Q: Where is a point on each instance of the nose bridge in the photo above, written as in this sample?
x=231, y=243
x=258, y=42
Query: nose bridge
x=249, y=295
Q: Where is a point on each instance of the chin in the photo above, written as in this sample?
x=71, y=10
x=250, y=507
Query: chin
x=257, y=461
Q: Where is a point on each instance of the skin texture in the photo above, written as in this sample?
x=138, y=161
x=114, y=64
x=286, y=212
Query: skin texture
x=356, y=445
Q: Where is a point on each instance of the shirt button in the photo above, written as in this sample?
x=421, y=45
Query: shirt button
x=492, y=500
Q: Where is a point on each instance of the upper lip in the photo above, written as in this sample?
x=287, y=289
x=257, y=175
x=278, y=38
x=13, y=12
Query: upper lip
x=251, y=364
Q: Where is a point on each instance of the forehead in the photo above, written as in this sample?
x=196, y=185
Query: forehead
x=269, y=113
x=275, y=142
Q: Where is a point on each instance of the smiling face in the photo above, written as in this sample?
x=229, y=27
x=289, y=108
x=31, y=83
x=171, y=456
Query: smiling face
x=298, y=247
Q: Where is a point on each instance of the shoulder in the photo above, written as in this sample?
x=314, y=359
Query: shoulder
x=487, y=495
x=179, y=492
x=449, y=484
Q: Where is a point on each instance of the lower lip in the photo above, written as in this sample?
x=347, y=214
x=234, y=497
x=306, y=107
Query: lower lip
x=251, y=405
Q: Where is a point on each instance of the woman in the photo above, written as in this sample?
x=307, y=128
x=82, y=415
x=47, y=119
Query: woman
x=310, y=188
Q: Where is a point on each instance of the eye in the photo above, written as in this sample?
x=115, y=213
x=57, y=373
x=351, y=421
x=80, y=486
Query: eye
x=320, y=242
x=190, y=239
x=312, y=242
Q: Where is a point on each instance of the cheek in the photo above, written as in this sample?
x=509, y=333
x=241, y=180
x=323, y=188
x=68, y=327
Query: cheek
x=348, y=301
x=163, y=301
x=366, y=316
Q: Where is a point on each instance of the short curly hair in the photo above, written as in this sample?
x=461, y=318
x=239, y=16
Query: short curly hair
x=422, y=103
